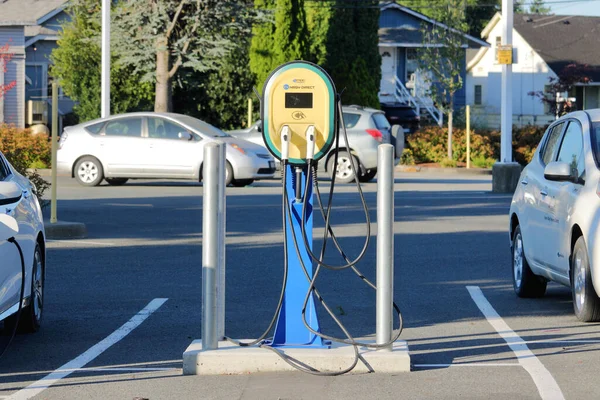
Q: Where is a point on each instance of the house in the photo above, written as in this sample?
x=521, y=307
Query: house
x=402, y=81
x=544, y=45
x=31, y=27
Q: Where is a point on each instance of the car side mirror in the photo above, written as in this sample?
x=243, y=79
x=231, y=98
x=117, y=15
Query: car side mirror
x=560, y=171
x=8, y=227
x=185, y=136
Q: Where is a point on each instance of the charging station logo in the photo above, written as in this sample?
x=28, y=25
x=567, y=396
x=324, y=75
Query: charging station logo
x=286, y=86
x=298, y=115
x=298, y=80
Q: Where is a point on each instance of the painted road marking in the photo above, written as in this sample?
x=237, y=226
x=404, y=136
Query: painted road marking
x=471, y=364
x=80, y=242
x=37, y=387
x=547, y=386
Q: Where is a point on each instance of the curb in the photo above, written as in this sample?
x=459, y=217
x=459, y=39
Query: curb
x=455, y=171
x=65, y=230
x=45, y=172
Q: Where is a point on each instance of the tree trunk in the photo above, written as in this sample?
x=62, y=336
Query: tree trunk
x=162, y=100
x=450, y=134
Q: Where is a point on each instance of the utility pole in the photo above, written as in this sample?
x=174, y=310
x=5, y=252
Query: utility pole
x=506, y=92
x=105, y=78
x=505, y=174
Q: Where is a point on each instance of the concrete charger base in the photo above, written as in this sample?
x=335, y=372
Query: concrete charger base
x=232, y=359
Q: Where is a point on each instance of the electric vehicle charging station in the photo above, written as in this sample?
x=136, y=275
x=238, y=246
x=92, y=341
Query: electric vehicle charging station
x=300, y=110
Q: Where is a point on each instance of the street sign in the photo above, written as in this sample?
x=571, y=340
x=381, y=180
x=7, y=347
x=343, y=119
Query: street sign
x=505, y=53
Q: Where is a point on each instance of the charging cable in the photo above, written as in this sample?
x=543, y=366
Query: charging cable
x=21, y=296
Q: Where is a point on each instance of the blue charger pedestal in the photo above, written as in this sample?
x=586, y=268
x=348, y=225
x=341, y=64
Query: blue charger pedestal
x=290, y=330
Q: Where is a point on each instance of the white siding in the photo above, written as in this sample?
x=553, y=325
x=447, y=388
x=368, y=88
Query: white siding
x=14, y=100
x=530, y=74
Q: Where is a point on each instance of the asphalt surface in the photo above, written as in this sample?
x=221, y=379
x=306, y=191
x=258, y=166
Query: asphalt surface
x=145, y=243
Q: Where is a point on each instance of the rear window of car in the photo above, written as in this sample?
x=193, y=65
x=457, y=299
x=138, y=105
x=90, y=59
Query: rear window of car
x=381, y=121
x=95, y=128
x=351, y=119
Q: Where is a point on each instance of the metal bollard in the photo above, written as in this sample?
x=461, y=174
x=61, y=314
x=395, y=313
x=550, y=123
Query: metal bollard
x=222, y=230
x=385, y=244
x=210, y=244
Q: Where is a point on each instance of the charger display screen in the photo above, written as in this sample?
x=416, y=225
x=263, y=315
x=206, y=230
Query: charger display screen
x=298, y=100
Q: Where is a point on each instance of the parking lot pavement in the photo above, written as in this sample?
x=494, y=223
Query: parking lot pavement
x=468, y=334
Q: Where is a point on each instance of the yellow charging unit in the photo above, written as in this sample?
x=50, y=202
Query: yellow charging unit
x=299, y=99
x=299, y=127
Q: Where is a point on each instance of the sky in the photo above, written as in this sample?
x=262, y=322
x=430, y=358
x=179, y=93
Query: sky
x=575, y=7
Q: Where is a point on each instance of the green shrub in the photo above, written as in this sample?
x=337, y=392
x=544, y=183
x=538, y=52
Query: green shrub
x=448, y=163
x=407, y=157
x=24, y=151
x=429, y=145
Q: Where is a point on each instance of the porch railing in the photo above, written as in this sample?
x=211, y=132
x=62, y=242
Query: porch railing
x=418, y=100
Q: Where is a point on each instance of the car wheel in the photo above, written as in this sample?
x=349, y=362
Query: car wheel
x=242, y=182
x=89, y=172
x=116, y=181
x=228, y=173
x=585, y=300
x=31, y=316
x=343, y=172
x=525, y=282
x=367, y=176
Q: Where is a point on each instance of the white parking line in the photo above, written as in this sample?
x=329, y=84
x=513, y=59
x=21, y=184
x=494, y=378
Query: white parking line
x=75, y=241
x=93, y=352
x=546, y=385
x=471, y=364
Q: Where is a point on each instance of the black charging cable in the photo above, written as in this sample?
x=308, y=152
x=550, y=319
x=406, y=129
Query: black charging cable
x=21, y=296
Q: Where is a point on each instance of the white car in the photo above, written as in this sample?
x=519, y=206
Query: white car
x=555, y=214
x=154, y=145
x=20, y=210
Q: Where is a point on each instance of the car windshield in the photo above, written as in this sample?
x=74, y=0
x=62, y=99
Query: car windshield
x=380, y=121
x=596, y=141
x=4, y=172
x=202, y=127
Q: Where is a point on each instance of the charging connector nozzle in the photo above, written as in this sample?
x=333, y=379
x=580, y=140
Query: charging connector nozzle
x=285, y=142
x=310, y=143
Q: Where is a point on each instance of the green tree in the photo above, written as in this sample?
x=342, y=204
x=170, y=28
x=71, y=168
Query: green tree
x=539, y=7
x=317, y=23
x=161, y=37
x=443, y=55
x=76, y=66
x=279, y=39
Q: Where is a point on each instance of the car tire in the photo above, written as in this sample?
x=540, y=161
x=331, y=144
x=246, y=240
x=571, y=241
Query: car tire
x=586, y=303
x=89, y=171
x=525, y=282
x=116, y=181
x=242, y=182
x=31, y=316
x=228, y=173
x=367, y=176
x=343, y=171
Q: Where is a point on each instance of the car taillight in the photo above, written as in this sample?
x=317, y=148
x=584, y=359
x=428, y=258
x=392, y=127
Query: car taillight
x=376, y=134
x=62, y=140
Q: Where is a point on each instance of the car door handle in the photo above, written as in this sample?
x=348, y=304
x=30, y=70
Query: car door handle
x=524, y=181
x=544, y=193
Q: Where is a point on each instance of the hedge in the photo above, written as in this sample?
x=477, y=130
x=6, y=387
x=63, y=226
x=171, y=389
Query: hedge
x=429, y=145
x=26, y=151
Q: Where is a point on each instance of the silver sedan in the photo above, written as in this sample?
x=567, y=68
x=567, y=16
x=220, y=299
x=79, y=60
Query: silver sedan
x=154, y=145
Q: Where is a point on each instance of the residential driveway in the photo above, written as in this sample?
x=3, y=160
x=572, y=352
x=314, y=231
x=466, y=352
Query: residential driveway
x=123, y=304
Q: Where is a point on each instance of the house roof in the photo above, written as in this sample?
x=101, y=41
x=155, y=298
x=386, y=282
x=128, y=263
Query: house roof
x=28, y=12
x=563, y=39
x=407, y=35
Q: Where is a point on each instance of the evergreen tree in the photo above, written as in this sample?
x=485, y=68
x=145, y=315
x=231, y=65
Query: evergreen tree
x=317, y=23
x=263, y=57
x=76, y=66
x=539, y=7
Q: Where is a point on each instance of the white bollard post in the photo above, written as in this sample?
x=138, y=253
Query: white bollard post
x=222, y=220
x=385, y=244
x=210, y=244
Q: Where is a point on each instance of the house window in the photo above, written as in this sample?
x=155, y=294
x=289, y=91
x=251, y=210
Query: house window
x=498, y=44
x=412, y=62
x=478, y=95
